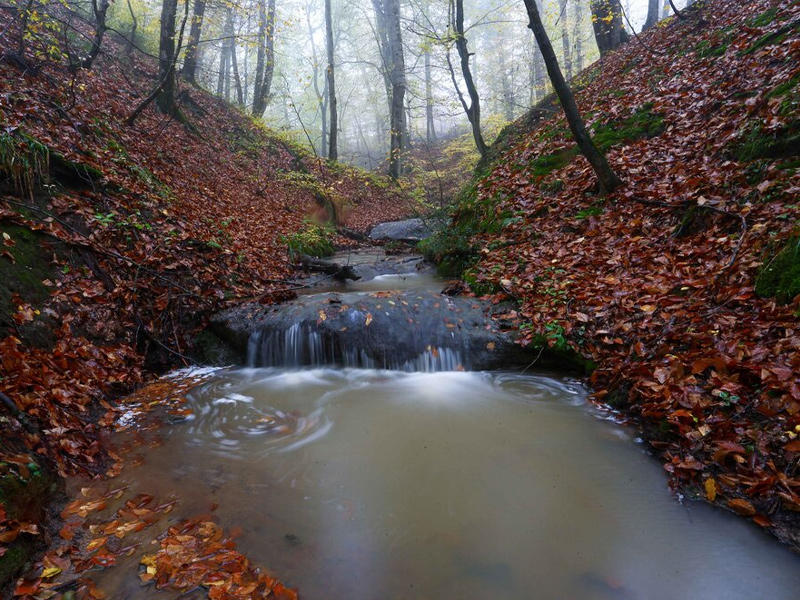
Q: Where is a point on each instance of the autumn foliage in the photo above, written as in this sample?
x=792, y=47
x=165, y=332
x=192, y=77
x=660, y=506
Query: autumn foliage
x=656, y=283
x=148, y=230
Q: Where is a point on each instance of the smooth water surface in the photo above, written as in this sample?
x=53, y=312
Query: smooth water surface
x=378, y=485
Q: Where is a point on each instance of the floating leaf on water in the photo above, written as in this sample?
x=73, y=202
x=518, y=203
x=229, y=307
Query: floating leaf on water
x=711, y=489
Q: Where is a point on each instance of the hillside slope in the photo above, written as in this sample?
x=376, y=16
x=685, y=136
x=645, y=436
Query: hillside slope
x=682, y=286
x=119, y=241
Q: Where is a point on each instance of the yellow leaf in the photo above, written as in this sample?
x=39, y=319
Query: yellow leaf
x=369, y=319
x=490, y=346
x=322, y=315
x=711, y=489
x=96, y=543
x=148, y=560
x=50, y=572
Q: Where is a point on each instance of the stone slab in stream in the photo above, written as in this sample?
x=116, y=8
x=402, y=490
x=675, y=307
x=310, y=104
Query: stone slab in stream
x=408, y=330
x=410, y=230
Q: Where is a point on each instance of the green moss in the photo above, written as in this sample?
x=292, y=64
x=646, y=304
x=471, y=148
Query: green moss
x=642, y=124
x=707, y=49
x=785, y=87
x=765, y=18
x=592, y=211
x=24, y=161
x=23, y=276
x=757, y=143
x=544, y=165
x=451, y=249
x=313, y=240
x=211, y=349
x=24, y=499
x=775, y=37
x=779, y=278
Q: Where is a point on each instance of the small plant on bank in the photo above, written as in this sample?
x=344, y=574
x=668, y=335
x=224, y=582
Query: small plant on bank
x=313, y=240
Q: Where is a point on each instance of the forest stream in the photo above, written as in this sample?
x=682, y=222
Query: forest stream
x=376, y=484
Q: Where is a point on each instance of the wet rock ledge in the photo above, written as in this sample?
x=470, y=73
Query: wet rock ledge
x=380, y=329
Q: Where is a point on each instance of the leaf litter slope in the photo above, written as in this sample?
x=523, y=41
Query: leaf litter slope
x=152, y=228
x=656, y=282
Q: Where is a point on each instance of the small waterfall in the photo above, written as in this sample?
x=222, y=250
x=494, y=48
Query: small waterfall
x=303, y=345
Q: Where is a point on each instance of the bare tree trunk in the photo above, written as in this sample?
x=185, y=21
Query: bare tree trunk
x=333, y=142
x=223, y=68
x=189, y=70
x=538, y=83
x=265, y=61
x=164, y=93
x=99, y=31
x=652, y=15
x=473, y=110
x=565, y=47
x=430, y=129
x=398, y=78
x=134, y=26
x=577, y=34
x=236, y=79
x=607, y=22
x=322, y=96
x=606, y=177
x=165, y=100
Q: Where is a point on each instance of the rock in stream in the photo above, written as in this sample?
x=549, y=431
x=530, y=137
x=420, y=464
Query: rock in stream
x=410, y=330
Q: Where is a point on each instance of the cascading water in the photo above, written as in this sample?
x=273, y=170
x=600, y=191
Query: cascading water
x=304, y=345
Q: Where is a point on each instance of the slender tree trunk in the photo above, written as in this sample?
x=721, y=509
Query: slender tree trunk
x=100, y=11
x=473, y=110
x=322, y=102
x=333, y=142
x=606, y=177
x=265, y=61
x=607, y=22
x=165, y=100
x=189, y=70
x=236, y=79
x=539, y=85
x=652, y=14
x=129, y=47
x=577, y=35
x=430, y=129
x=565, y=47
x=398, y=78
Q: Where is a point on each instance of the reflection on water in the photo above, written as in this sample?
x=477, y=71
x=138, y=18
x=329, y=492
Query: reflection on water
x=360, y=484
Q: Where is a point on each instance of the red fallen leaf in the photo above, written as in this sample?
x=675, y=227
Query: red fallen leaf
x=28, y=588
x=762, y=520
x=7, y=537
x=793, y=446
x=742, y=507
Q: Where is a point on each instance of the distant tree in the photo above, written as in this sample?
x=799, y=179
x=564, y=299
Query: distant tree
x=333, y=142
x=606, y=177
x=473, y=109
x=653, y=9
x=390, y=36
x=609, y=32
x=99, y=9
x=265, y=58
x=164, y=93
x=167, y=57
x=189, y=69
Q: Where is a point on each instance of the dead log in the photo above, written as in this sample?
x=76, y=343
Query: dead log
x=335, y=270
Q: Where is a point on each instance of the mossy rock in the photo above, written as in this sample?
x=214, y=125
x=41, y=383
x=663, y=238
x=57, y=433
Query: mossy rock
x=210, y=349
x=25, y=499
x=780, y=277
x=24, y=276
